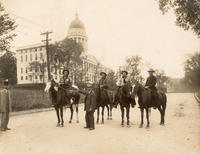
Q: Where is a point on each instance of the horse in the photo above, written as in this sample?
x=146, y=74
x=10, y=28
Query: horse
x=145, y=102
x=124, y=98
x=103, y=101
x=59, y=99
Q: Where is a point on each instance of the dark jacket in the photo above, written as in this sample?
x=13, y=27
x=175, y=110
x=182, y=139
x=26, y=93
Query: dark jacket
x=103, y=83
x=90, y=101
x=5, y=101
x=151, y=82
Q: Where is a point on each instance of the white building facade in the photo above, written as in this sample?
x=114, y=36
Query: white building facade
x=31, y=60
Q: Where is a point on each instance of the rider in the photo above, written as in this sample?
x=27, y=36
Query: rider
x=65, y=82
x=151, y=84
x=103, y=81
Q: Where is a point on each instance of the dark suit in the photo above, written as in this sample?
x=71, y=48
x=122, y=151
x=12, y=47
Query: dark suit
x=90, y=106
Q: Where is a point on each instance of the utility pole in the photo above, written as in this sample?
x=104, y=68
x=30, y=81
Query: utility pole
x=47, y=51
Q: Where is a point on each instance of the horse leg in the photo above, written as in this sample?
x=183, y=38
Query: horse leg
x=97, y=115
x=122, y=110
x=127, y=116
x=108, y=112
x=147, y=116
x=77, y=120
x=72, y=111
x=61, y=114
x=58, y=116
x=142, y=117
x=102, y=113
x=111, y=112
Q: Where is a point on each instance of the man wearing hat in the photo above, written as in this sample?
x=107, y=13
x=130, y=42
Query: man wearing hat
x=65, y=82
x=103, y=81
x=151, y=84
x=5, y=106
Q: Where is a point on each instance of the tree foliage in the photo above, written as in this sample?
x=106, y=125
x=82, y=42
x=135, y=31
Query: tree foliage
x=133, y=66
x=192, y=71
x=7, y=26
x=187, y=13
x=111, y=80
x=162, y=79
x=8, y=68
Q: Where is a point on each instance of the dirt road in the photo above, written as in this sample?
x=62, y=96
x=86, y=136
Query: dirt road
x=37, y=133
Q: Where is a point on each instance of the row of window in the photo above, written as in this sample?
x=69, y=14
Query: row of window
x=33, y=49
x=35, y=69
x=27, y=57
x=31, y=78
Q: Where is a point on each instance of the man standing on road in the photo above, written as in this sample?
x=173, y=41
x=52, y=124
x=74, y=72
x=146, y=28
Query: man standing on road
x=5, y=106
x=90, y=106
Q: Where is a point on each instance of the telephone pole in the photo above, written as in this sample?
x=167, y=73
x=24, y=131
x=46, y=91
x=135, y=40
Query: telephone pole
x=47, y=51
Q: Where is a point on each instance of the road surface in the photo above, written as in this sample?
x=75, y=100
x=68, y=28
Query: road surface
x=37, y=133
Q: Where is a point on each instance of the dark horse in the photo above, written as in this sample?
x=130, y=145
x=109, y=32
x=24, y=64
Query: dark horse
x=59, y=99
x=145, y=102
x=103, y=101
x=125, y=100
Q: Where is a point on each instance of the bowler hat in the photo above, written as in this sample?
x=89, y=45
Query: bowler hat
x=124, y=72
x=151, y=70
x=66, y=70
x=103, y=73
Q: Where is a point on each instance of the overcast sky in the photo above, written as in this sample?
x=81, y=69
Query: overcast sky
x=115, y=29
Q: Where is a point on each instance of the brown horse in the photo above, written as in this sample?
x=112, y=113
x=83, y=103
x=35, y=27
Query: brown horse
x=60, y=98
x=124, y=98
x=145, y=102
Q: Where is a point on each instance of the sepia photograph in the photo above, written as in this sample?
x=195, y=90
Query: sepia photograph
x=99, y=77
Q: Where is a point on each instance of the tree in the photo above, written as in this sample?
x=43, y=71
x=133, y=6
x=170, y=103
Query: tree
x=162, y=79
x=133, y=67
x=111, y=80
x=8, y=68
x=187, y=13
x=192, y=71
x=7, y=26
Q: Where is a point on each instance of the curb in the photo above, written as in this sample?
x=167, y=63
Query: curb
x=30, y=111
x=197, y=98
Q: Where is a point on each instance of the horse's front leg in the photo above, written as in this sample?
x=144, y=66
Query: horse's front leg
x=108, y=112
x=147, y=116
x=111, y=112
x=142, y=117
x=61, y=114
x=72, y=111
x=161, y=115
x=127, y=116
x=102, y=113
x=77, y=120
x=122, y=112
x=58, y=116
x=97, y=115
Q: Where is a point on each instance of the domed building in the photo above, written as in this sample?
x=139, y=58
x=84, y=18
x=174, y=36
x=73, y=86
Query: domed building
x=36, y=54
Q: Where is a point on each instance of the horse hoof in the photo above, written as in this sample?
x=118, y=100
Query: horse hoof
x=147, y=127
x=62, y=125
x=141, y=126
x=102, y=122
x=162, y=124
x=97, y=122
x=77, y=121
x=110, y=118
x=128, y=126
x=70, y=121
x=57, y=125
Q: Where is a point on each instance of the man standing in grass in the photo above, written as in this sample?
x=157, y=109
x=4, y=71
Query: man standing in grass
x=5, y=106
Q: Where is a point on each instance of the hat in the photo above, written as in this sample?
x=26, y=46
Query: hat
x=66, y=70
x=124, y=72
x=103, y=73
x=5, y=82
x=151, y=70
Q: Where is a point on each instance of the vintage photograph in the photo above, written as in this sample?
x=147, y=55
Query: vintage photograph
x=99, y=77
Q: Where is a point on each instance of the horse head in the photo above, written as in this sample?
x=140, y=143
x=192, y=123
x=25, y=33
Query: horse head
x=51, y=85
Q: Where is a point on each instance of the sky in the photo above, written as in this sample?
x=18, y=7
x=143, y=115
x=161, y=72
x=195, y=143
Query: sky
x=115, y=28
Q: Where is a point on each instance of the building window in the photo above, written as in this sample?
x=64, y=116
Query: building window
x=36, y=69
x=21, y=70
x=35, y=49
x=26, y=70
x=41, y=56
x=26, y=78
x=31, y=57
x=41, y=49
x=21, y=58
x=36, y=56
x=30, y=69
x=21, y=77
x=36, y=77
x=40, y=77
x=30, y=77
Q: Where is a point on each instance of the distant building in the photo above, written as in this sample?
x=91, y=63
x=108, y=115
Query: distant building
x=37, y=53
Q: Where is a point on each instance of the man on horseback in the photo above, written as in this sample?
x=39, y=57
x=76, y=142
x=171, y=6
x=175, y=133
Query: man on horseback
x=103, y=81
x=151, y=84
x=65, y=83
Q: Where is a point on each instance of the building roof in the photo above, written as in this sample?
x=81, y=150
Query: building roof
x=76, y=23
x=31, y=46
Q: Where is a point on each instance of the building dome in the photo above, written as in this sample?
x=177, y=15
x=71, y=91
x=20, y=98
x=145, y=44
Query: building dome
x=76, y=23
